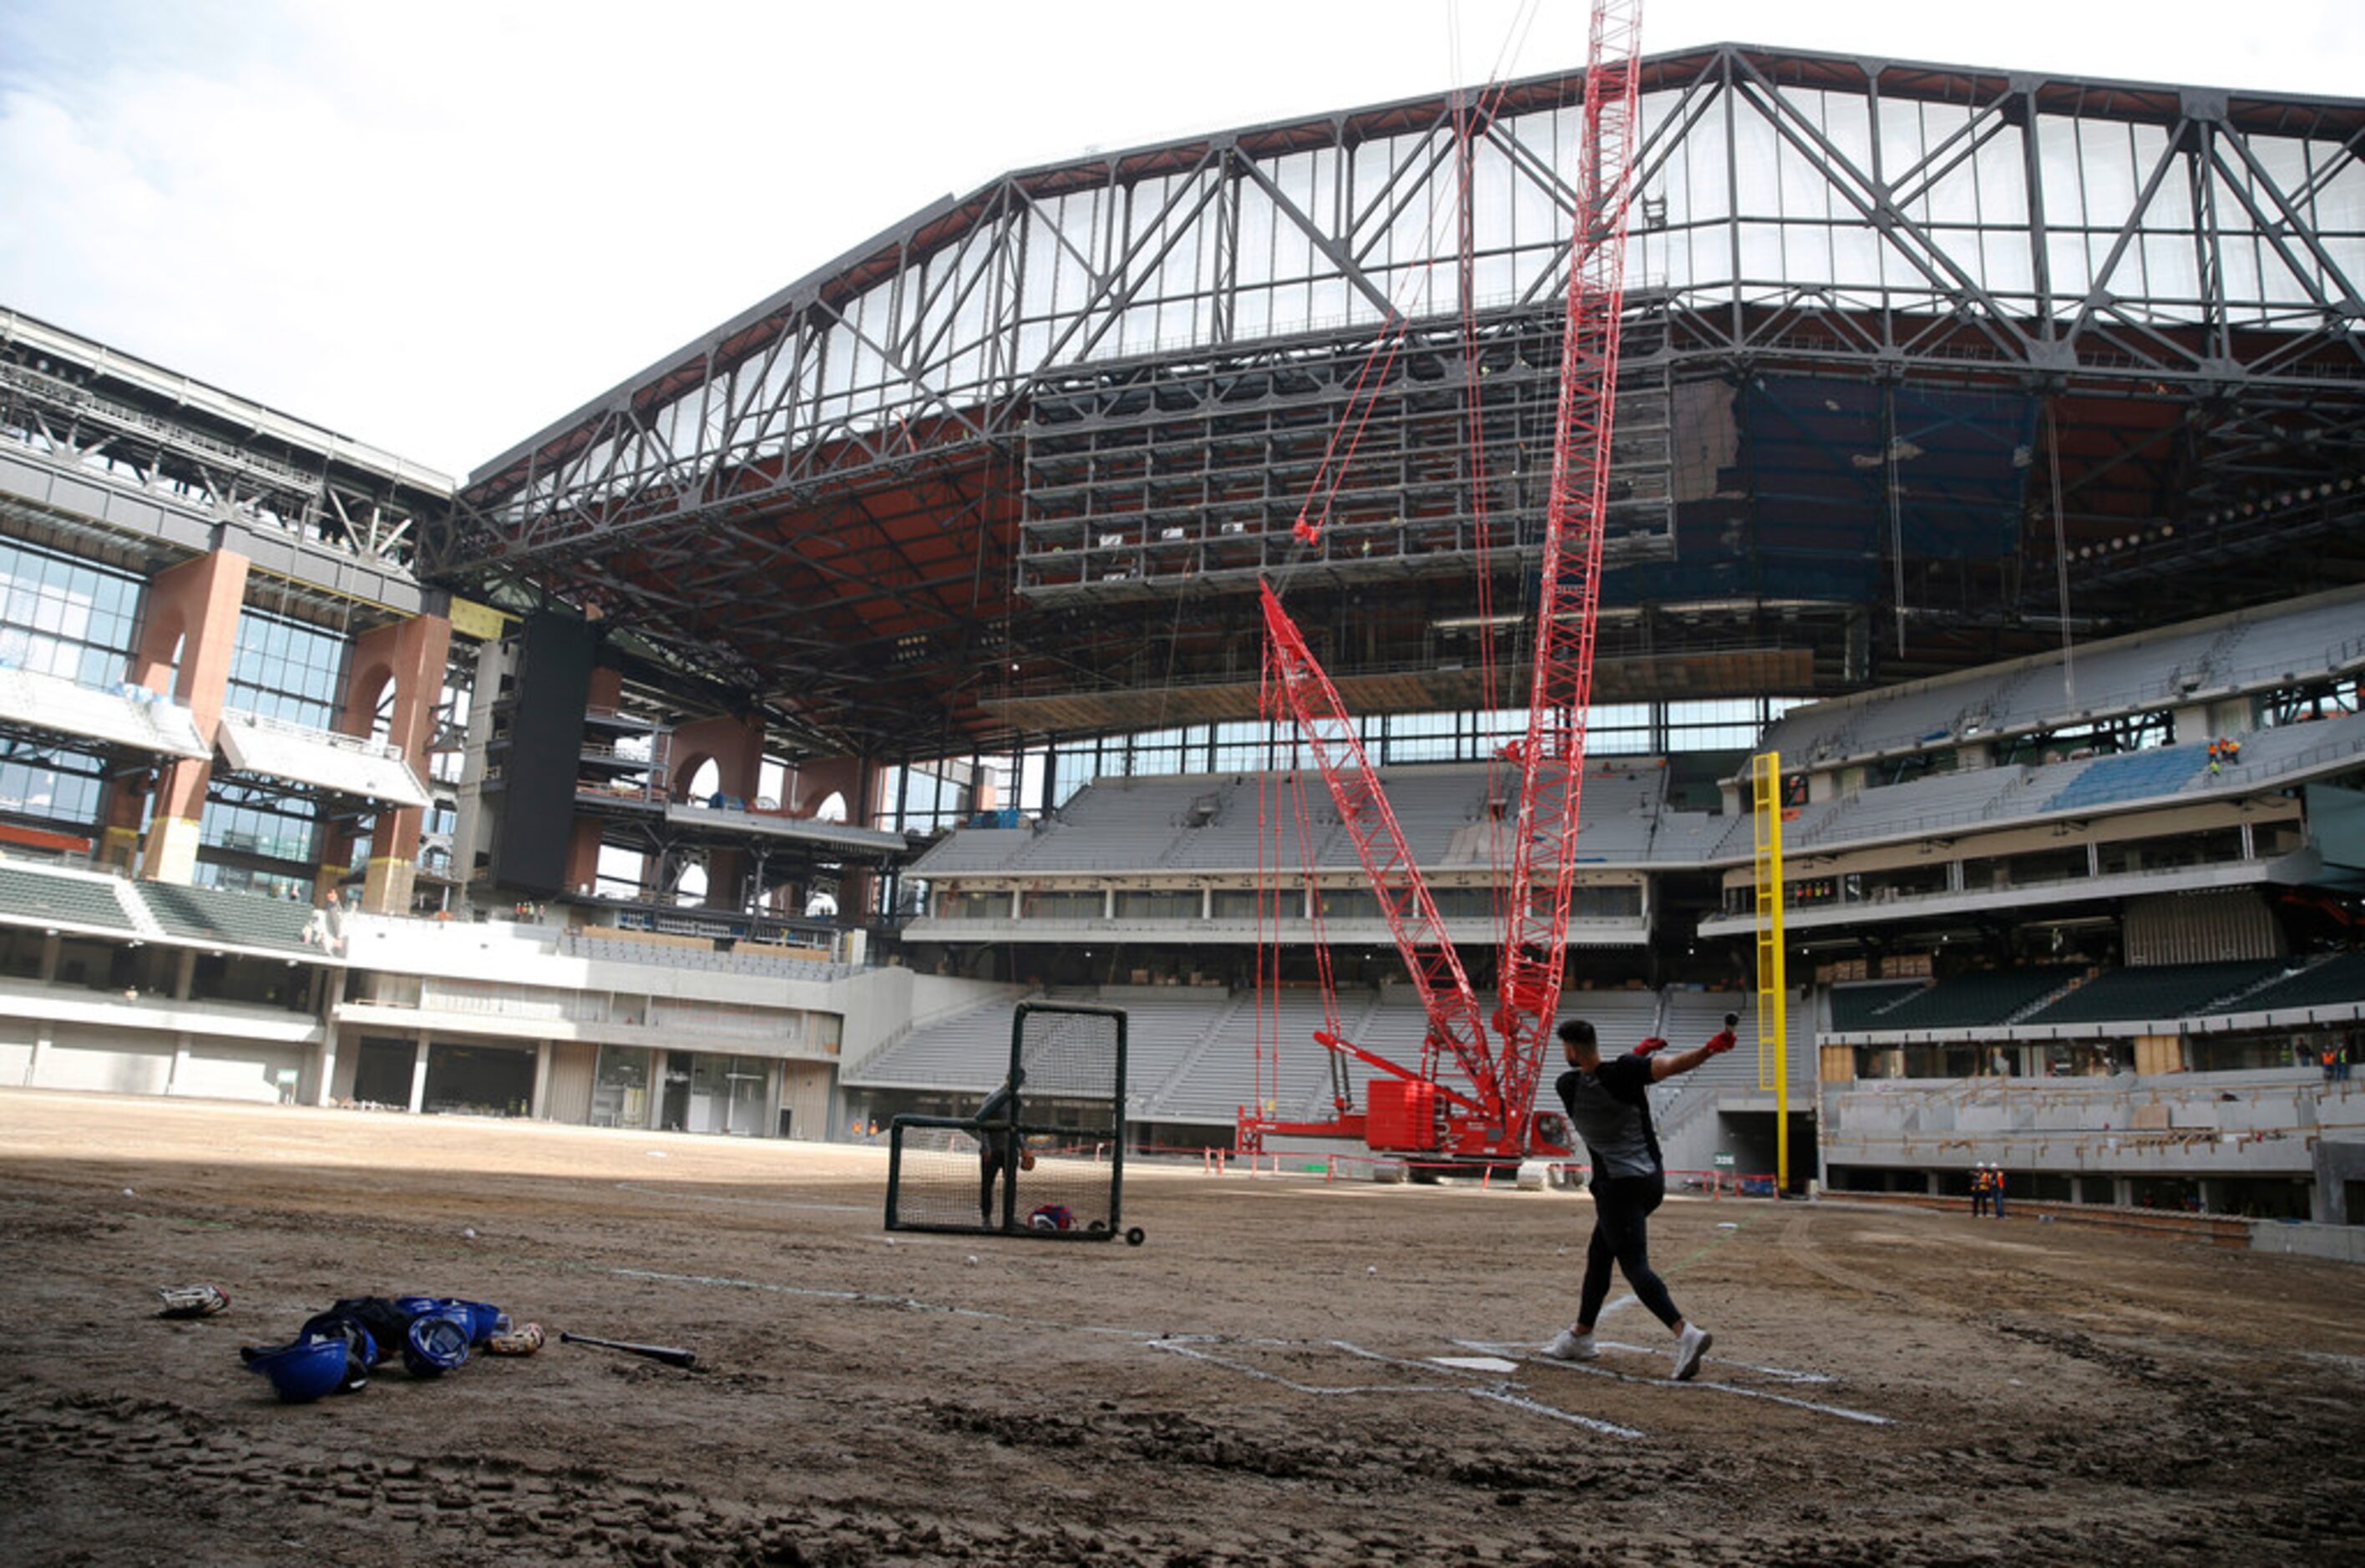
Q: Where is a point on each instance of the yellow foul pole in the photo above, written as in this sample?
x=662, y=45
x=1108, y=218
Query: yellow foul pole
x=1773, y=984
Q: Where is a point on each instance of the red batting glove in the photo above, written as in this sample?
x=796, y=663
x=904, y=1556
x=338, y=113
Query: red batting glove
x=1647, y=1046
x=1720, y=1042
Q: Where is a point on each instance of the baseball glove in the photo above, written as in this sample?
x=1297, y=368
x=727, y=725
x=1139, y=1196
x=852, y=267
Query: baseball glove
x=191, y=1301
x=1025, y=1160
x=524, y=1339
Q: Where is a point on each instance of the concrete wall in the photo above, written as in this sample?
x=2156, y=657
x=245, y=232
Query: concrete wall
x=2340, y=1243
x=2191, y=1125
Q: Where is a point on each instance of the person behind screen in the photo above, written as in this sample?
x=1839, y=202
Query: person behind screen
x=997, y=1130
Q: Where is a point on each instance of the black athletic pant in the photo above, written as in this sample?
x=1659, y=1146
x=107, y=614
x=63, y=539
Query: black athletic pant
x=1622, y=1210
x=989, y=1166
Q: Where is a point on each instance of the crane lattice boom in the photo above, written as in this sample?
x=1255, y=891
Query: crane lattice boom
x=1552, y=755
x=1504, y=1068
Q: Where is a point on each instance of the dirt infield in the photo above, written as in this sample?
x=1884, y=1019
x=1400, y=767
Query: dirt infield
x=1260, y=1383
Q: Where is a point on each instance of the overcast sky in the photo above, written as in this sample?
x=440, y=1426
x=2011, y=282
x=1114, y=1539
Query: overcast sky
x=439, y=225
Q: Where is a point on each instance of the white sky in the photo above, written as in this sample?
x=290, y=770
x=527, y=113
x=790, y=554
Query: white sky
x=440, y=225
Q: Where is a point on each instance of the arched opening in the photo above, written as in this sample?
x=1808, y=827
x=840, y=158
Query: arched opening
x=831, y=809
x=697, y=778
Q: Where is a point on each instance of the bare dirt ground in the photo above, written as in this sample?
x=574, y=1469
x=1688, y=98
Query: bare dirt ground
x=1258, y=1384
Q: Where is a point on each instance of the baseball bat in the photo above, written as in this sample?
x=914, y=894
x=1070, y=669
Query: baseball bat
x=671, y=1355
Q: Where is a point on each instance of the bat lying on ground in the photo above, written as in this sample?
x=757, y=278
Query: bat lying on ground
x=671, y=1355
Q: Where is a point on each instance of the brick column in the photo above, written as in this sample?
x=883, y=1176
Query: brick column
x=735, y=746
x=193, y=608
x=854, y=779
x=411, y=655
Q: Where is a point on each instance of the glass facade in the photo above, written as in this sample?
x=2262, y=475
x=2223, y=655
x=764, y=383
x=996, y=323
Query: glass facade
x=921, y=798
x=77, y=621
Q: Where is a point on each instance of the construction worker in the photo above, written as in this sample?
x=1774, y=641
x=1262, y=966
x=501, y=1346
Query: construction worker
x=1980, y=1188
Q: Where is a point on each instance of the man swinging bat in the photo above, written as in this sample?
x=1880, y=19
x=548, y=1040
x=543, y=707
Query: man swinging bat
x=997, y=1137
x=1608, y=1103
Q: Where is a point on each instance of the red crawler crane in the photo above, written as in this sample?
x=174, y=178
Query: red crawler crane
x=1409, y=1112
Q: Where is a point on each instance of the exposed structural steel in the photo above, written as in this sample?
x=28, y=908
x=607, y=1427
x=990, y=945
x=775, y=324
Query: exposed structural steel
x=1872, y=289
x=1503, y=1070
x=95, y=432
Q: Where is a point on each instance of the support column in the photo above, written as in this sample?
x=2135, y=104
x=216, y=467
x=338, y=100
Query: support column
x=332, y=993
x=539, y=1109
x=419, y=1075
x=185, y=647
x=180, y=1061
x=858, y=784
x=42, y=1040
x=410, y=655
x=735, y=746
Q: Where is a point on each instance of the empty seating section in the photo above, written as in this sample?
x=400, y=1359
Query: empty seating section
x=2131, y=776
x=1224, y=1077
x=211, y=914
x=1620, y=810
x=2152, y=992
x=1979, y=1000
x=1928, y=713
x=1164, y=1028
x=1690, y=1017
x=679, y=952
x=1859, y=1006
x=1688, y=838
x=967, y=1050
x=1240, y=823
x=972, y=849
x=1115, y=822
x=74, y=901
x=2270, y=751
x=1244, y=822
x=1940, y=800
x=2331, y=982
x=2124, y=675
x=2311, y=639
x=1431, y=805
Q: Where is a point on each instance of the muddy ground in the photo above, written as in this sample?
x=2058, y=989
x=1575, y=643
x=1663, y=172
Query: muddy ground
x=1260, y=1384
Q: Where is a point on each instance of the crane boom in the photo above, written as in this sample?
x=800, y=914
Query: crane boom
x=1561, y=690
x=1454, y=1016
x=1504, y=1066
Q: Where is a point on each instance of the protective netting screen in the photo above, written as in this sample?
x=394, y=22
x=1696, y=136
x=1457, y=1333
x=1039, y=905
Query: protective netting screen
x=1048, y=1160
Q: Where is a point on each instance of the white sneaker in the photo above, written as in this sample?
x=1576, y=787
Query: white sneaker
x=1689, y=1349
x=1568, y=1345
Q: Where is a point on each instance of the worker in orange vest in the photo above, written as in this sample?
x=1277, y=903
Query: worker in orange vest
x=1995, y=1190
x=1979, y=1189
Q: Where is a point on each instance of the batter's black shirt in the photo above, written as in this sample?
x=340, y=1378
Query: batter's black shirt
x=1610, y=1109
